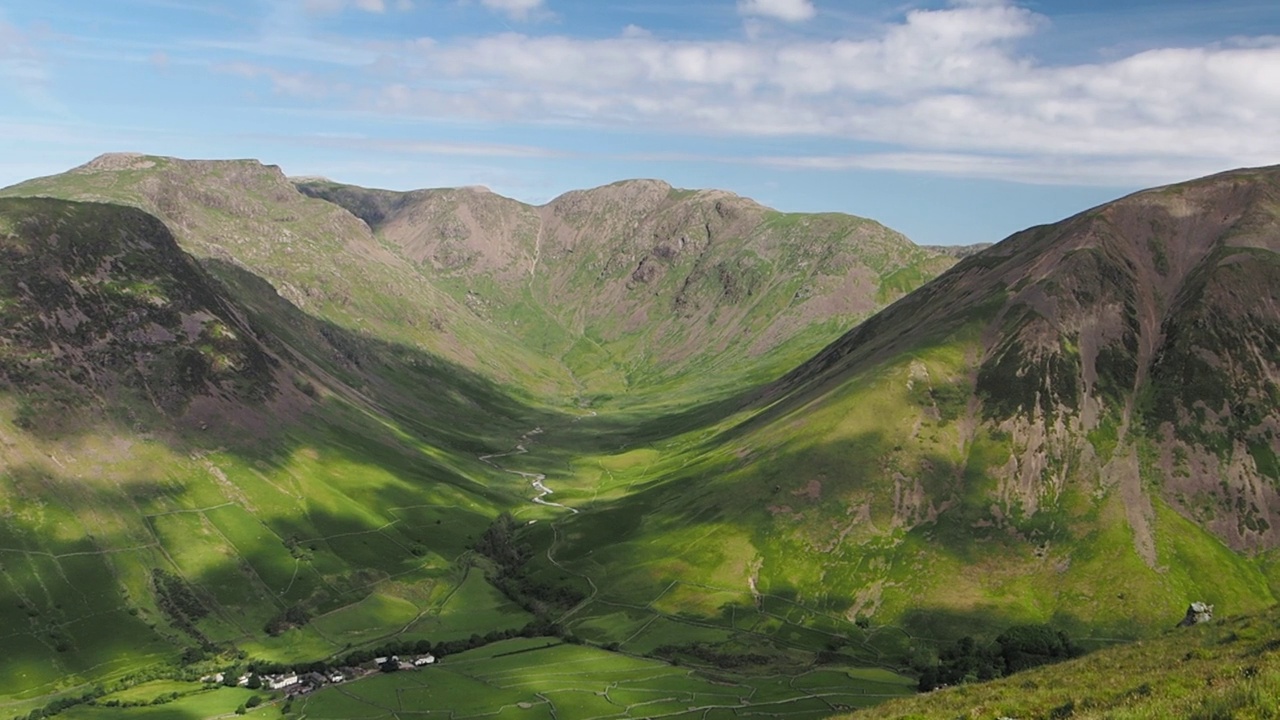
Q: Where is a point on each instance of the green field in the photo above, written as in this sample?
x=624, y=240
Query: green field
x=541, y=677
x=221, y=702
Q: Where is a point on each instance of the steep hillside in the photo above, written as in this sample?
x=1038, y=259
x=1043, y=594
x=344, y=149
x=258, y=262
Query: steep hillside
x=241, y=214
x=637, y=283
x=1077, y=425
x=1227, y=669
x=179, y=485
x=1138, y=341
x=104, y=319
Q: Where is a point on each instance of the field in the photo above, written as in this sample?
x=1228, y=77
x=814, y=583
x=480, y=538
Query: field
x=221, y=702
x=543, y=678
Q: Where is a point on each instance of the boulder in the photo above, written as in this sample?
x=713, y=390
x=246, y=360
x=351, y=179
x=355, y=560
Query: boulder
x=1197, y=613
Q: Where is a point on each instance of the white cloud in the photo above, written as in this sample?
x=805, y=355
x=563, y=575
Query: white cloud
x=1037, y=170
x=295, y=84
x=328, y=7
x=788, y=10
x=518, y=9
x=24, y=72
x=947, y=89
x=423, y=147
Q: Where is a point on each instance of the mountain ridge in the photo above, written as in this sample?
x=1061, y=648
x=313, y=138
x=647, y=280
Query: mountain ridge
x=639, y=264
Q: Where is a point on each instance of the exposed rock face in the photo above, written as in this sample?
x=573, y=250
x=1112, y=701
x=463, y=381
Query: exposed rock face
x=1133, y=346
x=1197, y=613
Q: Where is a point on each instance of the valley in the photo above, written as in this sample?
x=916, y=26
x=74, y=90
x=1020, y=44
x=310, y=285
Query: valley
x=740, y=462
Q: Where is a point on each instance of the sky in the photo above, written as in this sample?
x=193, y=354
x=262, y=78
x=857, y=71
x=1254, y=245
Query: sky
x=953, y=121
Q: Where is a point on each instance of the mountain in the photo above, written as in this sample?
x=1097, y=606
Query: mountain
x=177, y=481
x=959, y=252
x=618, y=290
x=241, y=214
x=1077, y=425
x=636, y=283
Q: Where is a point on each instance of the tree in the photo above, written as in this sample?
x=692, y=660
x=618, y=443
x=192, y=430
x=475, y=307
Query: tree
x=1026, y=646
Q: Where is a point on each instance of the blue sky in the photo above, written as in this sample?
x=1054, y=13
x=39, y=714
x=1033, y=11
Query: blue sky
x=953, y=121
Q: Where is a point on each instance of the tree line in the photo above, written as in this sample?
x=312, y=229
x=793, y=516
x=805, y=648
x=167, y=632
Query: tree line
x=1019, y=648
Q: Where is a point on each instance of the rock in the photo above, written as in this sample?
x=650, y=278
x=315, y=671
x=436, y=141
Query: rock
x=1197, y=613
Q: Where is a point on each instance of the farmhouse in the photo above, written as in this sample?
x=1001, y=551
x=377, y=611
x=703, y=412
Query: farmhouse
x=424, y=660
x=279, y=682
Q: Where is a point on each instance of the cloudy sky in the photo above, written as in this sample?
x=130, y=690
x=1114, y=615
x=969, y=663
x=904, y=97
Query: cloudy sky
x=954, y=121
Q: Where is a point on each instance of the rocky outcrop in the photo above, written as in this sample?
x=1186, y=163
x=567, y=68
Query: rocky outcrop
x=1197, y=613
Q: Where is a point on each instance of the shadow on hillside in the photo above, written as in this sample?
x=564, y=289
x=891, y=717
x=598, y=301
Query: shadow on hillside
x=942, y=625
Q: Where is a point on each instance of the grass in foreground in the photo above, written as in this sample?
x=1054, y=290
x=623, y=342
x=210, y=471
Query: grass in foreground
x=1224, y=669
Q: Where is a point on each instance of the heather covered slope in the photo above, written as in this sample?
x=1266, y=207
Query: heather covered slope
x=106, y=320
x=636, y=284
x=1074, y=426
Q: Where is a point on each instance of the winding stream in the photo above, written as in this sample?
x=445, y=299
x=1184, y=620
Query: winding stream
x=537, y=480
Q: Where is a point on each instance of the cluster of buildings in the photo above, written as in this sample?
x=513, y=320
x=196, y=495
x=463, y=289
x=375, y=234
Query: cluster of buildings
x=293, y=683
x=394, y=662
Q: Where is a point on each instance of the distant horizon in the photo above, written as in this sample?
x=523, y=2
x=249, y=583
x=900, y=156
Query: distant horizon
x=951, y=121
x=540, y=203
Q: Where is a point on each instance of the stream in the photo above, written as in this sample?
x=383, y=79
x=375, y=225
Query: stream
x=537, y=480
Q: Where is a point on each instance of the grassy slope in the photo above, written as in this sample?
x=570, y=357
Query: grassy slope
x=114, y=465
x=324, y=261
x=889, y=481
x=1227, y=668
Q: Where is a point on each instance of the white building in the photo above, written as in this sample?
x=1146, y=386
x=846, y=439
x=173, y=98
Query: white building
x=424, y=660
x=284, y=681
